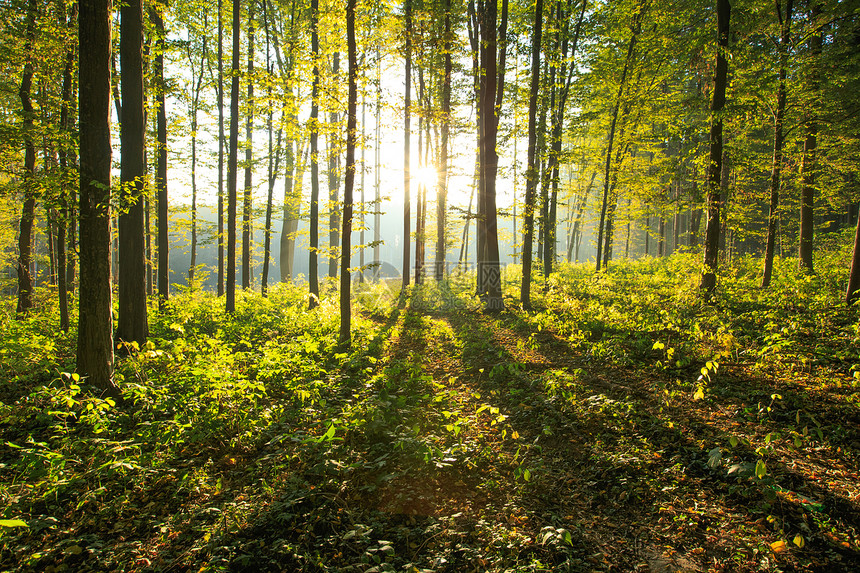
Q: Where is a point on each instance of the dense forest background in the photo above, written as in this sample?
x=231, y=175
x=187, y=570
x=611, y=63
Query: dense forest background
x=433, y=285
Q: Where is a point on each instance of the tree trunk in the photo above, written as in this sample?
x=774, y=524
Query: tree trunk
x=604, y=223
x=349, y=176
x=313, y=265
x=132, y=323
x=489, y=271
x=332, y=172
x=807, y=169
x=249, y=157
x=95, y=324
x=66, y=128
x=161, y=158
x=28, y=211
x=531, y=170
x=407, y=176
x=195, y=103
x=715, y=166
x=442, y=188
x=232, y=162
x=853, y=291
x=220, y=148
x=778, y=139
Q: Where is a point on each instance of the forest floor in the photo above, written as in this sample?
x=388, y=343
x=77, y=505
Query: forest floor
x=622, y=425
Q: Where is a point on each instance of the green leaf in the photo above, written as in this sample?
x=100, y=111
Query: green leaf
x=12, y=523
x=527, y=475
x=760, y=469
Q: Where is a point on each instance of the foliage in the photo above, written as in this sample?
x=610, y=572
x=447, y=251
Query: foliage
x=625, y=421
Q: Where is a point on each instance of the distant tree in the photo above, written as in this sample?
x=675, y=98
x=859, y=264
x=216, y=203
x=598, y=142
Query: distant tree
x=332, y=145
x=220, y=96
x=442, y=184
x=132, y=323
x=95, y=323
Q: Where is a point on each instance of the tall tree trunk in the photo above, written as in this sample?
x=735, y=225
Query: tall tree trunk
x=531, y=171
x=274, y=162
x=407, y=176
x=778, y=139
x=195, y=103
x=28, y=211
x=442, y=184
x=161, y=157
x=635, y=29
x=249, y=157
x=332, y=144
x=422, y=190
x=489, y=271
x=313, y=265
x=66, y=128
x=715, y=166
x=233, y=161
x=132, y=323
x=807, y=169
x=377, y=204
x=220, y=96
x=95, y=324
x=349, y=176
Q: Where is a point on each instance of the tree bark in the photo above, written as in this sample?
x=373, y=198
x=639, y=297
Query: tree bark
x=332, y=144
x=531, y=171
x=807, y=168
x=28, y=211
x=853, y=291
x=778, y=139
x=64, y=153
x=349, y=176
x=132, y=323
x=407, y=176
x=313, y=265
x=715, y=166
x=249, y=157
x=95, y=324
x=220, y=97
x=442, y=187
x=232, y=162
x=161, y=158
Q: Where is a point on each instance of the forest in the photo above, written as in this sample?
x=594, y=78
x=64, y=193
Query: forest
x=577, y=293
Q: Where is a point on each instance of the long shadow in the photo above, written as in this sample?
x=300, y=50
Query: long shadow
x=680, y=445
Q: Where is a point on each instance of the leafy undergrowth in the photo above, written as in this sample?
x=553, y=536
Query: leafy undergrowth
x=623, y=425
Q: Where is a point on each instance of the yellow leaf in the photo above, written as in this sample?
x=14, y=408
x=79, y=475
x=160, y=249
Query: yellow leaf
x=778, y=546
x=798, y=540
x=699, y=395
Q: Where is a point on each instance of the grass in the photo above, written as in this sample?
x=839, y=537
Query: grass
x=624, y=424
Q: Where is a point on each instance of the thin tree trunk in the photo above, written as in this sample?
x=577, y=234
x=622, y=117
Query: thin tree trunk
x=249, y=157
x=853, y=291
x=232, y=162
x=715, y=167
x=274, y=162
x=442, y=188
x=65, y=209
x=807, y=169
x=407, y=177
x=28, y=211
x=778, y=139
x=349, y=176
x=332, y=145
x=531, y=171
x=220, y=148
x=161, y=161
x=635, y=28
x=313, y=265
